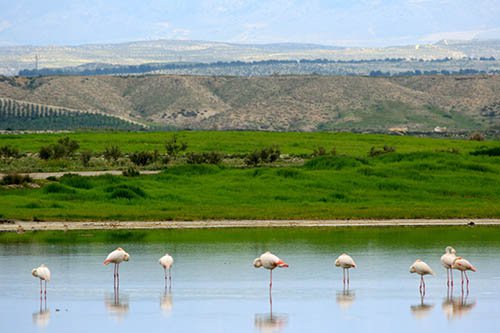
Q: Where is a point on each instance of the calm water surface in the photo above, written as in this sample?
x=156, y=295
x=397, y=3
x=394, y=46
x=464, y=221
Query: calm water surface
x=216, y=289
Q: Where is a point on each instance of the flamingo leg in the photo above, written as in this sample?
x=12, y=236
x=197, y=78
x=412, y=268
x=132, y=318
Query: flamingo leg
x=165, y=273
x=467, y=278
x=448, y=277
x=347, y=277
x=41, y=288
x=270, y=289
x=343, y=276
x=451, y=275
x=170, y=278
x=45, y=289
x=117, y=276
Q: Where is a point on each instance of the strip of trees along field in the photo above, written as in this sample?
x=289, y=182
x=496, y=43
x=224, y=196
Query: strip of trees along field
x=21, y=115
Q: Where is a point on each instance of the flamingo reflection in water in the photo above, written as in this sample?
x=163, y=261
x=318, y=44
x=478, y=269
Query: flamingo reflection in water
x=270, y=323
x=345, y=298
x=41, y=318
x=116, y=307
x=166, y=302
x=422, y=309
x=456, y=307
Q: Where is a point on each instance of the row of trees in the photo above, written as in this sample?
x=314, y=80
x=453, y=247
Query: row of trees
x=18, y=115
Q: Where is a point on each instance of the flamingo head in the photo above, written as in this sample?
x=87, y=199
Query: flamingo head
x=337, y=263
x=257, y=263
x=412, y=269
x=34, y=272
x=126, y=257
x=451, y=250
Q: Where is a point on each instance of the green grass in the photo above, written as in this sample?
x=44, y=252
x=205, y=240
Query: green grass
x=424, y=178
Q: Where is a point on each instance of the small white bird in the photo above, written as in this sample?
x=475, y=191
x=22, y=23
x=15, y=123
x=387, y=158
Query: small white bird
x=167, y=261
x=422, y=269
x=346, y=262
x=269, y=261
x=43, y=273
x=463, y=266
x=447, y=260
x=116, y=257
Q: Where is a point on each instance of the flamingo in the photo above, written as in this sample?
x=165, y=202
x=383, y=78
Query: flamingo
x=43, y=273
x=422, y=269
x=167, y=261
x=270, y=262
x=116, y=257
x=463, y=266
x=447, y=260
x=345, y=261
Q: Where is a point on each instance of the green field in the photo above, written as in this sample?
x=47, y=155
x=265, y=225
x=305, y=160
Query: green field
x=423, y=178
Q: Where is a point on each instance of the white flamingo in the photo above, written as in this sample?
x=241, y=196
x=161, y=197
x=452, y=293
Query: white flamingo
x=116, y=257
x=463, y=266
x=346, y=262
x=447, y=260
x=422, y=269
x=167, y=261
x=43, y=273
x=269, y=261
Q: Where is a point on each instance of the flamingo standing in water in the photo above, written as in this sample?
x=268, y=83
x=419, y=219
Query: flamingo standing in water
x=463, y=266
x=43, y=273
x=270, y=262
x=346, y=262
x=116, y=257
x=422, y=269
x=167, y=261
x=447, y=260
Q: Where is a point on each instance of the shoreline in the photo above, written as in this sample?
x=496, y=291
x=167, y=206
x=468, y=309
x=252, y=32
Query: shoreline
x=21, y=226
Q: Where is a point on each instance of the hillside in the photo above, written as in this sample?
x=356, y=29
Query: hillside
x=15, y=58
x=276, y=103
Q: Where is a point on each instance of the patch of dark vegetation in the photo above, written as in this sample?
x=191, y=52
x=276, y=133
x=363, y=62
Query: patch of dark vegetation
x=142, y=158
x=131, y=172
x=9, y=152
x=333, y=162
x=204, y=158
x=288, y=173
x=125, y=191
x=76, y=181
x=266, y=155
x=194, y=169
x=495, y=151
x=377, y=151
x=57, y=188
x=65, y=147
x=16, y=179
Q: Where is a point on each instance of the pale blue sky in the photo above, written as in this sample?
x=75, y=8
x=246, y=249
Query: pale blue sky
x=335, y=22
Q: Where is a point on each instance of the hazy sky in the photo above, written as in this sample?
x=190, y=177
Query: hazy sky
x=334, y=22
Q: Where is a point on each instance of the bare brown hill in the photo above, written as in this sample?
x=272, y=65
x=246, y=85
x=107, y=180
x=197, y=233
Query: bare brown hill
x=280, y=103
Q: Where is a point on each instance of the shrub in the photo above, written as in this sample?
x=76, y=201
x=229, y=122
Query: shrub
x=69, y=146
x=9, y=151
x=385, y=150
x=142, y=158
x=125, y=192
x=174, y=146
x=332, y=162
x=85, y=157
x=64, y=147
x=265, y=155
x=320, y=151
x=45, y=153
x=253, y=158
x=476, y=136
x=208, y=158
x=131, y=172
x=16, y=179
x=112, y=153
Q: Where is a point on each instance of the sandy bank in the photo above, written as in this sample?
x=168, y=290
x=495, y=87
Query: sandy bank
x=45, y=175
x=115, y=225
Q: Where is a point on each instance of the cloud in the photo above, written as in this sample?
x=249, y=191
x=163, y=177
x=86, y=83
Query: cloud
x=4, y=25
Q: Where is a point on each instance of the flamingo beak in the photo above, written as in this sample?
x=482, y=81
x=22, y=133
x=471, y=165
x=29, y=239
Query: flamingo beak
x=282, y=264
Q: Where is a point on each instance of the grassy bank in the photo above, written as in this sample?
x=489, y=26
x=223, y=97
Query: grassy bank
x=422, y=178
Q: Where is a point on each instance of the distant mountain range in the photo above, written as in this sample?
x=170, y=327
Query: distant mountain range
x=16, y=58
x=274, y=103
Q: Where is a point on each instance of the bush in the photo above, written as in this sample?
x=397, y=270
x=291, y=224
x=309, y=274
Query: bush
x=376, y=152
x=9, y=151
x=112, y=153
x=85, y=157
x=143, y=157
x=45, y=153
x=265, y=155
x=174, y=146
x=64, y=147
x=208, y=158
x=476, y=136
x=16, y=179
x=120, y=191
x=69, y=146
x=131, y=172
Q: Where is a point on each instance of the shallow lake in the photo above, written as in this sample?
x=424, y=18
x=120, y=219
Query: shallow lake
x=216, y=288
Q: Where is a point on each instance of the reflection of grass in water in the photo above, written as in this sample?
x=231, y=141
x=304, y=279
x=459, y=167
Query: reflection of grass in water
x=355, y=237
